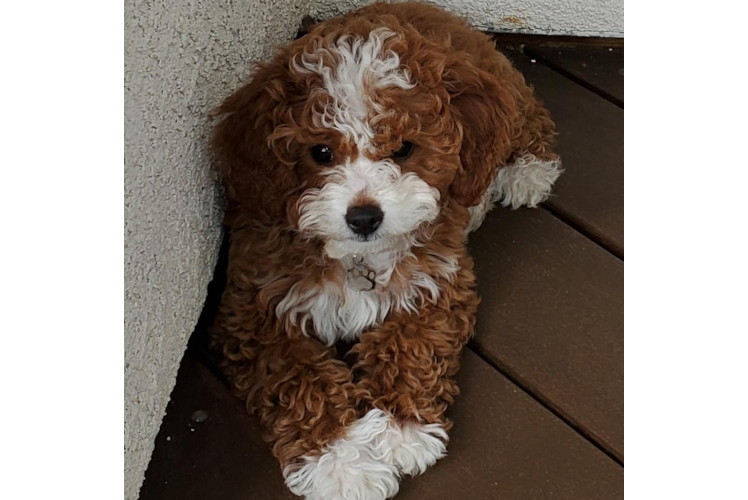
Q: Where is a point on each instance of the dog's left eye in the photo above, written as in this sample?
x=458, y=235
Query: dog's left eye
x=322, y=154
x=406, y=148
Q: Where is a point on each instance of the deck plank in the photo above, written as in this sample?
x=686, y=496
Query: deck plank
x=598, y=68
x=551, y=317
x=504, y=445
x=589, y=195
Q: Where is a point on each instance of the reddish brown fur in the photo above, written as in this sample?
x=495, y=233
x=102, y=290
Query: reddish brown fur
x=474, y=112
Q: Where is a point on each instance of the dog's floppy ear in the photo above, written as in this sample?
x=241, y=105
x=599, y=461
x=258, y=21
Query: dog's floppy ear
x=487, y=114
x=255, y=163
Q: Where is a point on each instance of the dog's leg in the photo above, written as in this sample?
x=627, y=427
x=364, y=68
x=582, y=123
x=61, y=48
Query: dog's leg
x=304, y=398
x=525, y=182
x=531, y=170
x=533, y=167
x=406, y=369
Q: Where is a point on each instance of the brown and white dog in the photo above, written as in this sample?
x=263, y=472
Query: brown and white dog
x=356, y=162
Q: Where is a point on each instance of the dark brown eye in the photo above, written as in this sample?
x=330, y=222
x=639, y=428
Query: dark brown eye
x=406, y=148
x=322, y=154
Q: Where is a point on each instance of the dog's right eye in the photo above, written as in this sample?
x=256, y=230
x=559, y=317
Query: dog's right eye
x=322, y=154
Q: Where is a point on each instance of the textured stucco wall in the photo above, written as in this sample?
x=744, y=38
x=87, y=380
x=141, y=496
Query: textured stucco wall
x=181, y=59
x=546, y=17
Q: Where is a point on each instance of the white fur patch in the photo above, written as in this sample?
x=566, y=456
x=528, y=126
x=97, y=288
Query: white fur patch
x=405, y=199
x=335, y=314
x=343, y=313
x=352, y=71
x=413, y=447
x=526, y=182
x=367, y=462
x=361, y=68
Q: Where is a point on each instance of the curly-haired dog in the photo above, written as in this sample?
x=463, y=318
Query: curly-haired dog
x=356, y=162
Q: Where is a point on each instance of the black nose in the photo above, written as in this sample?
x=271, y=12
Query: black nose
x=364, y=219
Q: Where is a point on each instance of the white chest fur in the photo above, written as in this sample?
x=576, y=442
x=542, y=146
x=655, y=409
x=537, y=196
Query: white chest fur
x=342, y=313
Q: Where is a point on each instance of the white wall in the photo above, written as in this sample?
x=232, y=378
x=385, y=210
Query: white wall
x=547, y=17
x=182, y=57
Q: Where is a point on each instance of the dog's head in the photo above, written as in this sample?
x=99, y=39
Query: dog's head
x=358, y=135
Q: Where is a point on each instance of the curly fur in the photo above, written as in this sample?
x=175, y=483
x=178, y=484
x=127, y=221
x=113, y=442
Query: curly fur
x=362, y=84
x=526, y=182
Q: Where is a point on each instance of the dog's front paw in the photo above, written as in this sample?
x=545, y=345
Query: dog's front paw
x=418, y=447
x=349, y=468
x=526, y=182
x=343, y=474
x=366, y=464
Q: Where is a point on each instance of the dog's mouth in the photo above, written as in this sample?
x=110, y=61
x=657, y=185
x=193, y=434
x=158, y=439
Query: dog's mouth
x=372, y=244
x=365, y=239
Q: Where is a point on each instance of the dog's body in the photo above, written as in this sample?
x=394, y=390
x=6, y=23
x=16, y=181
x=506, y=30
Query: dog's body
x=355, y=163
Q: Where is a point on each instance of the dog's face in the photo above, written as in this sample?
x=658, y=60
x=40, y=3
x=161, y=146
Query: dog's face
x=358, y=137
x=376, y=156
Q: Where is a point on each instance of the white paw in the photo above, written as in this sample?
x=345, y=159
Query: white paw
x=367, y=463
x=527, y=181
x=349, y=468
x=417, y=447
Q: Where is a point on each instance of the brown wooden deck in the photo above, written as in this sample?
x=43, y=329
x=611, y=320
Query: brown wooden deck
x=541, y=410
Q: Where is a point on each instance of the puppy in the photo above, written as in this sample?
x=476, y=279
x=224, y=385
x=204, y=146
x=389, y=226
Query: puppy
x=355, y=164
